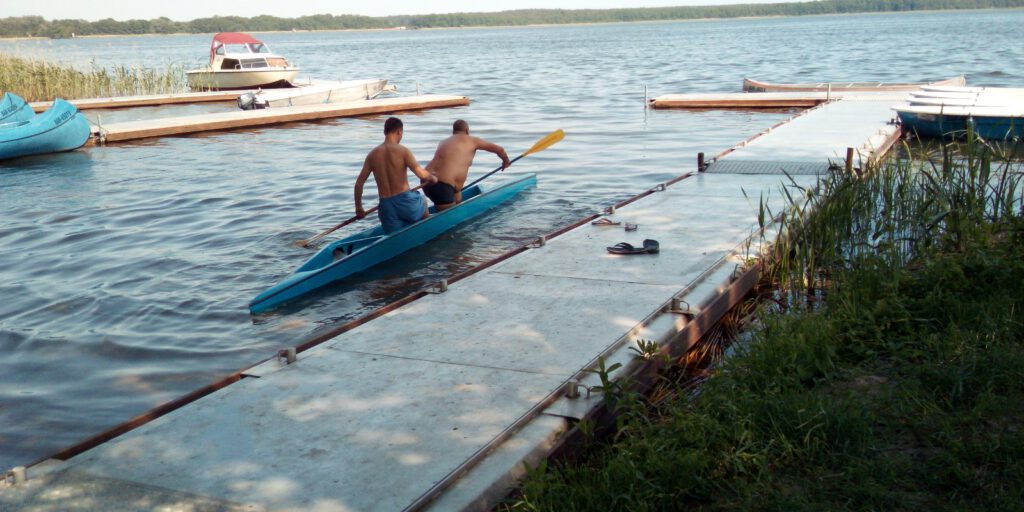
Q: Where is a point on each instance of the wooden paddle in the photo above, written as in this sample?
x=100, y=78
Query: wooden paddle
x=549, y=140
x=305, y=243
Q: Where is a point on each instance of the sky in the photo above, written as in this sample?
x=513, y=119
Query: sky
x=184, y=10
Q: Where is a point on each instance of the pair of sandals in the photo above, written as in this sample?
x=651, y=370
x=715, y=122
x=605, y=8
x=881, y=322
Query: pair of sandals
x=649, y=247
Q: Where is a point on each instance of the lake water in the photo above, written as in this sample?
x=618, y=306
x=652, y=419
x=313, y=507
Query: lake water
x=125, y=270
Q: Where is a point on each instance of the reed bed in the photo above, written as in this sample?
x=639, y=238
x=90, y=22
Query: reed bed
x=886, y=373
x=40, y=80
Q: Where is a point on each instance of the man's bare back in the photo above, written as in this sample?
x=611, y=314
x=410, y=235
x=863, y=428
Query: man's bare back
x=454, y=156
x=389, y=163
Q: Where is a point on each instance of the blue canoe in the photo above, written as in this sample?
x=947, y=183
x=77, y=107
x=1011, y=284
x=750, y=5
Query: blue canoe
x=60, y=128
x=367, y=248
x=14, y=109
x=989, y=122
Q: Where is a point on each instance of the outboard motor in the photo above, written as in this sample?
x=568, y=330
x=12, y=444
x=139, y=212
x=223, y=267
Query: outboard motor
x=247, y=101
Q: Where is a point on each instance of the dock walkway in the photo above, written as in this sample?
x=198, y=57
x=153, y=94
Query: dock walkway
x=184, y=125
x=438, y=403
x=149, y=100
x=769, y=100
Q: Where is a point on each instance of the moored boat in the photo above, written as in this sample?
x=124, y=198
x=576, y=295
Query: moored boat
x=750, y=85
x=369, y=247
x=13, y=109
x=989, y=122
x=60, y=128
x=240, y=61
x=314, y=92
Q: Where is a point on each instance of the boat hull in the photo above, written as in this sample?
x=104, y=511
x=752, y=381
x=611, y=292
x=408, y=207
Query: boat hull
x=370, y=247
x=750, y=85
x=14, y=109
x=237, y=79
x=315, y=93
x=60, y=128
x=943, y=125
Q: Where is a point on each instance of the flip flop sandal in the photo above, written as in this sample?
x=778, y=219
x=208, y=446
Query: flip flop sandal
x=650, y=247
x=604, y=221
x=625, y=248
x=631, y=227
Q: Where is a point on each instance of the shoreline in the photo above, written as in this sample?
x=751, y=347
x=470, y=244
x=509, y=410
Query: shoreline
x=530, y=25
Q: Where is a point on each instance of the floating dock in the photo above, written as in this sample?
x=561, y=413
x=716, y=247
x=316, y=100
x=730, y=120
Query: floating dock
x=152, y=100
x=135, y=130
x=436, y=401
x=763, y=100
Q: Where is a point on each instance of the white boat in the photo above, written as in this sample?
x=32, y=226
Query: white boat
x=240, y=61
x=313, y=92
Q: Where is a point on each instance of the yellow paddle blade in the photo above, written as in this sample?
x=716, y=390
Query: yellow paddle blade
x=550, y=140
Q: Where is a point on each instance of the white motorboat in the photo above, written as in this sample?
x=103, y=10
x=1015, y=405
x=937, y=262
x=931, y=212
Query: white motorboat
x=240, y=61
x=313, y=92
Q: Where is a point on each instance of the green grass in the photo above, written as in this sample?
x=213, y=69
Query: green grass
x=39, y=80
x=892, y=378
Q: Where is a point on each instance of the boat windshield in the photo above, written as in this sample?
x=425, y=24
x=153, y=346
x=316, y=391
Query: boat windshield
x=243, y=48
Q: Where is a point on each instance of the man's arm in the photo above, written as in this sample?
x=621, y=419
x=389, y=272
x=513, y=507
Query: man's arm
x=417, y=169
x=360, y=181
x=496, y=149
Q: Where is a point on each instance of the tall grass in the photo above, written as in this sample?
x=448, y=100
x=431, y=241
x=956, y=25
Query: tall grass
x=40, y=80
x=894, y=380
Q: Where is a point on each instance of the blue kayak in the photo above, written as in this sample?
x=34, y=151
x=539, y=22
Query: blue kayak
x=60, y=128
x=13, y=109
x=367, y=248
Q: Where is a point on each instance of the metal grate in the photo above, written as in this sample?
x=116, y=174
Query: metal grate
x=728, y=166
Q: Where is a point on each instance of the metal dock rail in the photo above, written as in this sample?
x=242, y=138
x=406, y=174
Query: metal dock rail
x=437, y=402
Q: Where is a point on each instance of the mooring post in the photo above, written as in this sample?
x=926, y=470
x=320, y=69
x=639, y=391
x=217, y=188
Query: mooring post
x=849, y=160
x=645, y=96
x=700, y=162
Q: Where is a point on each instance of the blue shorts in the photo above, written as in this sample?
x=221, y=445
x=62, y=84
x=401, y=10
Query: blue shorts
x=400, y=210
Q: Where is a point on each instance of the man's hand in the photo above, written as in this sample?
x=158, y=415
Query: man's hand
x=505, y=163
x=430, y=179
x=360, y=212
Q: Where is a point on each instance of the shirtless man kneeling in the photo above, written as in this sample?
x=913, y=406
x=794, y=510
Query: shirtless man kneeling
x=388, y=162
x=451, y=164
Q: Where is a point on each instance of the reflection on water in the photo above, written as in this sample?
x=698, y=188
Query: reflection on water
x=126, y=270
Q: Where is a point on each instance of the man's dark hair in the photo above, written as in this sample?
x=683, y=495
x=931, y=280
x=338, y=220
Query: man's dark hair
x=393, y=124
x=460, y=126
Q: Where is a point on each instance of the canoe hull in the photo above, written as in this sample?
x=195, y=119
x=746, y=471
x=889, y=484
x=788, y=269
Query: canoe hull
x=316, y=93
x=60, y=128
x=955, y=126
x=750, y=85
x=370, y=247
x=14, y=109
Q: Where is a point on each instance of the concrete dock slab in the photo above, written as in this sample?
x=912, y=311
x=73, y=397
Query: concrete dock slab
x=438, y=403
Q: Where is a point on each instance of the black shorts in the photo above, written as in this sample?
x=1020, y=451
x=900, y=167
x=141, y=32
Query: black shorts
x=440, y=193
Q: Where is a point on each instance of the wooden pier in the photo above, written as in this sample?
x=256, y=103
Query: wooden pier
x=437, y=401
x=152, y=100
x=768, y=100
x=135, y=130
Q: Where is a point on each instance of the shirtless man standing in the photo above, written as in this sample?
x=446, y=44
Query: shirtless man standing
x=451, y=164
x=388, y=162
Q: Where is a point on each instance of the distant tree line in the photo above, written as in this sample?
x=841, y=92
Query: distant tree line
x=36, y=26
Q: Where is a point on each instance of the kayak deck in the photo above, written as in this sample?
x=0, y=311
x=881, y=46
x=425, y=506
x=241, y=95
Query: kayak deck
x=362, y=250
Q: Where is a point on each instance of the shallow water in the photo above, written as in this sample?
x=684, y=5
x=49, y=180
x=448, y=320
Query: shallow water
x=126, y=270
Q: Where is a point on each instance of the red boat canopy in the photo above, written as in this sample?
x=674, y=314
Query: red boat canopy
x=224, y=38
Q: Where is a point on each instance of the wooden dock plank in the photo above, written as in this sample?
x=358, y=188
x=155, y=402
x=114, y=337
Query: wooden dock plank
x=134, y=130
x=765, y=99
x=153, y=100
